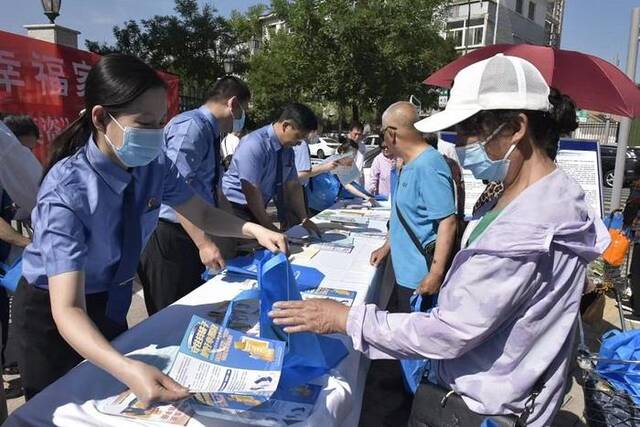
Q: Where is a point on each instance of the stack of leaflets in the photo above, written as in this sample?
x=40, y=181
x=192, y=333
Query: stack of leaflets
x=233, y=376
x=343, y=296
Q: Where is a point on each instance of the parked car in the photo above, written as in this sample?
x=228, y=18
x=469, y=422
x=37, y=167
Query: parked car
x=608, y=161
x=324, y=147
x=372, y=141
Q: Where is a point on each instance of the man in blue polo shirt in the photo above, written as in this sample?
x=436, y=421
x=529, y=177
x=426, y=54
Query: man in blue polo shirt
x=263, y=168
x=177, y=252
x=424, y=197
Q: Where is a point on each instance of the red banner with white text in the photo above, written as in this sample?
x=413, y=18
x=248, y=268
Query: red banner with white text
x=46, y=81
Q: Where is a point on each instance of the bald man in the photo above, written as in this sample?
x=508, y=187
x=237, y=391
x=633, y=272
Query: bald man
x=425, y=199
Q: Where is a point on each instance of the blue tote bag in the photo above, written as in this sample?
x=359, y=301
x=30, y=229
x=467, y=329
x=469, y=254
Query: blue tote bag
x=308, y=355
x=414, y=369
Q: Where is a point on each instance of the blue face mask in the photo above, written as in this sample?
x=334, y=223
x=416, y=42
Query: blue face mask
x=238, y=124
x=474, y=157
x=139, y=146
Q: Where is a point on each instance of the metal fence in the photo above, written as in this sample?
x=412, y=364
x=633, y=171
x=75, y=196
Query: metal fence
x=605, y=133
x=191, y=97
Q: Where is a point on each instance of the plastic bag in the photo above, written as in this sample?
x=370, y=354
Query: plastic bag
x=617, y=249
x=617, y=345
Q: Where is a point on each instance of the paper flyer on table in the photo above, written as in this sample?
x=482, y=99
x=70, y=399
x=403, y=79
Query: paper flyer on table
x=214, y=359
x=126, y=404
x=354, y=218
x=343, y=296
x=285, y=407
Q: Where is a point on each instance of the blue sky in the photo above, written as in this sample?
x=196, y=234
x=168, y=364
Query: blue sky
x=599, y=27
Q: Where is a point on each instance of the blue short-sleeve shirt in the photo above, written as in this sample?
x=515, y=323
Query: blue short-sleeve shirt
x=255, y=161
x=303, y=159
x=192, y=143
x=424, y=195
x=78, y=217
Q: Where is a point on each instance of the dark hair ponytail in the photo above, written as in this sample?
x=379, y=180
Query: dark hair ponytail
x=114, y=82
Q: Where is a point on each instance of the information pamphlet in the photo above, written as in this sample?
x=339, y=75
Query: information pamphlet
x=214, y=359
x=127, y=405
x=346, y=174
x=285, y=407
x=233, y=377
x=343, y=296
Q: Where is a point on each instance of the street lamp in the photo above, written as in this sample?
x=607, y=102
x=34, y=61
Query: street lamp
x=51, y=9
x=228, y=65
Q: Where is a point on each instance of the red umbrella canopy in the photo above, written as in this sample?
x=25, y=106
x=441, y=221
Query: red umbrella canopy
x=593, y=83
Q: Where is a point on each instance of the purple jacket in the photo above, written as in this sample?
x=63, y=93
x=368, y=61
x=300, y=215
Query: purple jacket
x=507, y=311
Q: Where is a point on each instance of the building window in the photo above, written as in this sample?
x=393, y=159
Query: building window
x=456, y=36
x=271, y=30
x=532, y=11
x=476, y=35
x=519, y=6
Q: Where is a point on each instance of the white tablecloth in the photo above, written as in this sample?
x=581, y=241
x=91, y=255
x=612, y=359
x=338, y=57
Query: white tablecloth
x=70, y=401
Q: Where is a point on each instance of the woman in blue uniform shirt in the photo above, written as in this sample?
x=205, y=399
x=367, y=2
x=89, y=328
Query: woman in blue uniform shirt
x=96, y=208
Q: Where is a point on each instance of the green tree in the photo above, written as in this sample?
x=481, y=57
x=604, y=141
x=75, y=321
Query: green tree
x=193, y=43
x=360, y=55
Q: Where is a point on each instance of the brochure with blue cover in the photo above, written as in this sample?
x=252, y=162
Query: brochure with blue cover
x=215, y=359
x=343, y=296
x=286, y=406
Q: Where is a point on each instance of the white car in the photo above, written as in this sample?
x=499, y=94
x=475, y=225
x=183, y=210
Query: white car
x=372, y=141
x=324, y=147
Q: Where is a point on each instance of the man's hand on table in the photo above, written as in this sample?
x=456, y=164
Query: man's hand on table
x=322, y=316
x=311, y=227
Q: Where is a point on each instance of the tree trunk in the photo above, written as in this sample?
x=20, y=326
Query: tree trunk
x=355, y=112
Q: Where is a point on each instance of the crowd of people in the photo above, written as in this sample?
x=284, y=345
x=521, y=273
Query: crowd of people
x=491, y=306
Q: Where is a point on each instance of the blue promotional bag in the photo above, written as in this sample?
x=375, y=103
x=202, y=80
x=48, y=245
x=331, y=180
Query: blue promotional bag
x=414, y=369
x=307, y=278
x=308, y=356
x=10, y=274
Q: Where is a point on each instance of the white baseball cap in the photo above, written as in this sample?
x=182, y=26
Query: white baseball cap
x=497, y=83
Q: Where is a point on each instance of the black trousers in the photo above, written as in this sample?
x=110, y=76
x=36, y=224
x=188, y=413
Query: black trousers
x=386, y=401
x=43, y=355
x=170, y=266
x=4, y=325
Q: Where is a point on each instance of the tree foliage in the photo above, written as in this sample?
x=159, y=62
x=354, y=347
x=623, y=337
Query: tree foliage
x=352, y=55
x=361, y=54
x=192, y=43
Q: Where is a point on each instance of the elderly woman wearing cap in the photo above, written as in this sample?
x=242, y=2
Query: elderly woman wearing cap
x=501, y=337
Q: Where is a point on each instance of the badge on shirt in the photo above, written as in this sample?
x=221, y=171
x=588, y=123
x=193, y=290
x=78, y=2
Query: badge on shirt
x=153, y=203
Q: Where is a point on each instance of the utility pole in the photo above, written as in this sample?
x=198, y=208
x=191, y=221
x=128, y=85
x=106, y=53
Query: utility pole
x=625, y=124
